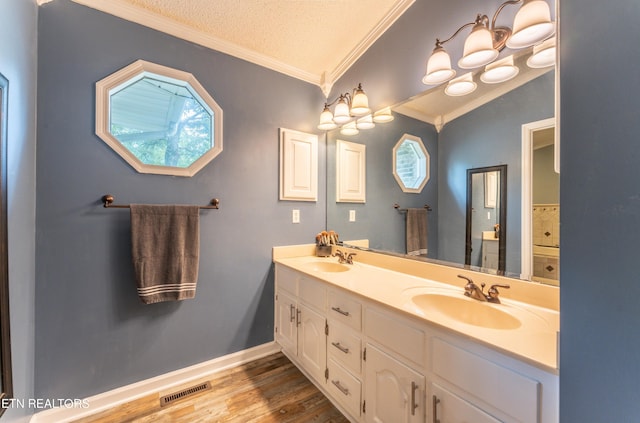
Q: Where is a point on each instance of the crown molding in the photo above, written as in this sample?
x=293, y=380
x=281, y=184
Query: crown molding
x=325, y=80
x=400, y=7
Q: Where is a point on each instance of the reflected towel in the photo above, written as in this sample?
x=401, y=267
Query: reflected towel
x=165, y=248
x=417, y=232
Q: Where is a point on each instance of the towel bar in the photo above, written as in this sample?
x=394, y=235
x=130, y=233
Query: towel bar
x=107, y=202
x=397, y=207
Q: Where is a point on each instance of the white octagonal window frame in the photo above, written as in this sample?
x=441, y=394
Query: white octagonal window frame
x=421, y=164
x=135, y=72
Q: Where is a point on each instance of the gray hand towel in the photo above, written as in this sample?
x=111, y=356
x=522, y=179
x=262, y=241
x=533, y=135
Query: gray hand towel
x=165, y=248
x=417, y=232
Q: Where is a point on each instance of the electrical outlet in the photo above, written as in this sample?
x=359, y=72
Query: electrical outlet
x=352, y=215
x=295, y=216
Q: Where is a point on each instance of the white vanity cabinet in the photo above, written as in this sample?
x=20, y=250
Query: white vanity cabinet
x=394, y=391
x=380, y=364
x=344, y=350
x=300, y=320
x=450, y=408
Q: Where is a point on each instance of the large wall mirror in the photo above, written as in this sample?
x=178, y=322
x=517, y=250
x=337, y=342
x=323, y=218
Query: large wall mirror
x=479, y=130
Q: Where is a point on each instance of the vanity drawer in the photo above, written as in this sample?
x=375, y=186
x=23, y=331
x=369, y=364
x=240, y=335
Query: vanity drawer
x=287, y=279
x=345, y=309
x=395, y=334
x=500, y=387
x=345, y=346
x=344, y=387
x=312, y=292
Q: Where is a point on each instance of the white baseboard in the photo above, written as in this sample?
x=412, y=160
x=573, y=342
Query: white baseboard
x=118, y=396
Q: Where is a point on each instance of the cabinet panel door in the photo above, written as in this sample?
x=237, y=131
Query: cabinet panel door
x=394, y=392
x=286, y=334
x=449, y=408
x=312, y=342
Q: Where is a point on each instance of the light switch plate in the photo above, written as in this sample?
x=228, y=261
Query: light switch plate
x=295, y=216
x=352, y=215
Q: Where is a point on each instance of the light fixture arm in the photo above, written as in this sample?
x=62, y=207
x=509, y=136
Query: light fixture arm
x=440, y=43
x=502, y=6
x=345, y=96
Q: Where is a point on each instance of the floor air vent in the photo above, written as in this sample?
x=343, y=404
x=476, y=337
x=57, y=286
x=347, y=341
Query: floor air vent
x=171, y=398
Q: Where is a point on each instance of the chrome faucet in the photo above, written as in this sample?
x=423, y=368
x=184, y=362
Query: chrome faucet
x=476, y=292
x=344, y=257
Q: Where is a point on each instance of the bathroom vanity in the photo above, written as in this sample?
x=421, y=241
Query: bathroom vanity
x=407, y=346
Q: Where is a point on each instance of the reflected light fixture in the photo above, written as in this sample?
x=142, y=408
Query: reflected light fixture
x=383, y=115
x=532, y=25
x=365, y=122
x=461, y=85
x=349, y=129
x=500, y=71
x=544, y=54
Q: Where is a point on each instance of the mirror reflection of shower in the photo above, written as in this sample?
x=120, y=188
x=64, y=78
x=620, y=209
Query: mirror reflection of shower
x=545, y=215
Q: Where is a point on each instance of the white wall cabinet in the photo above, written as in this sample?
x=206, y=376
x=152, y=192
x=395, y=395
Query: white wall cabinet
x=379, y=365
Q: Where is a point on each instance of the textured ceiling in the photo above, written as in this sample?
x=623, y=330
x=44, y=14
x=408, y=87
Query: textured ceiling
x=313, y=40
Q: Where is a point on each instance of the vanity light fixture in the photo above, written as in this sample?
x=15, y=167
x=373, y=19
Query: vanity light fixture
x=352, y=112
x=349, y=105
x=532, y=25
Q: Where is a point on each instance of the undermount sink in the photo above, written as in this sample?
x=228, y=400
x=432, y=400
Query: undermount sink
x=326, y=266
x=466, y=310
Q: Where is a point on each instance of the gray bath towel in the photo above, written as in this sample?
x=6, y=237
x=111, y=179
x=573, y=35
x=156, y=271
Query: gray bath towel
x=165, y=248
x=417, y=232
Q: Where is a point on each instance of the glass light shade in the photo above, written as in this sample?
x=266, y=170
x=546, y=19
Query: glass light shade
x=500, y=71
x=438, y=67
x=326, y=120
x=544, y=54
x=383, y=116
x=462, y=85
x=349, y=129
x=365, y=122
x=478, y=48
x=531, y=25
x=360, y=103
x=341, y=114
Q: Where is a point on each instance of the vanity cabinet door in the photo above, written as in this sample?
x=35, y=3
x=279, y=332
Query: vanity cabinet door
x=394, y=393
x=312, y=342
x=286, y=318
x=447, y=407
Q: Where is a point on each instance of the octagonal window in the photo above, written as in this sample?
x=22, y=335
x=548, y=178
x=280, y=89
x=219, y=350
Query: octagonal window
x=160, y=120
x=411, y=164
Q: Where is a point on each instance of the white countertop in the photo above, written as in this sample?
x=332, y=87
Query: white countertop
x=534, y=341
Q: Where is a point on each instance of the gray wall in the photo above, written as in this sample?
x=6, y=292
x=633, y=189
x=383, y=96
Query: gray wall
x=92, y=332
x=18, y=64
x=489, y=135
x=600, y=214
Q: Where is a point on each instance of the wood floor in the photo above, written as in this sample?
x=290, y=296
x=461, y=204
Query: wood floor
x=270, y=389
